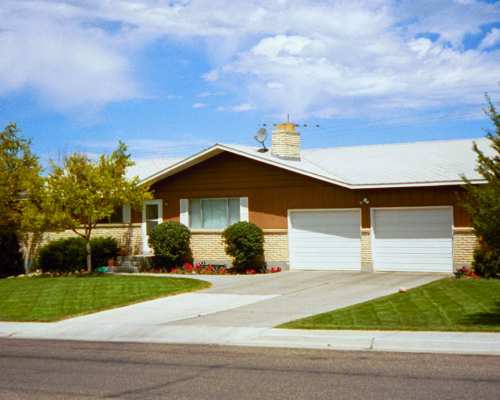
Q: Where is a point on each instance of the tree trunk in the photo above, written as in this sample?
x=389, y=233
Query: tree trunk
x=89, y=255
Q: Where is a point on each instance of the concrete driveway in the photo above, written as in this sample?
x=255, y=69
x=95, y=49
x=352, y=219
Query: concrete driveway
x=298, y=294
x=236, y=309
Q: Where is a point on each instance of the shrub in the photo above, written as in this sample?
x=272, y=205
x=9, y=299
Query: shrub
x=62, y=255
x=11, y=260
x=67, y=255
x=171, y=244
x=487, y=262
x=244, y=242
x=103, y=249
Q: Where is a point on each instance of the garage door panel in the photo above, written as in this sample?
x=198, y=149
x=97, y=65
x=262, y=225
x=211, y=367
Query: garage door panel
x=412, y=240
x=324, y=240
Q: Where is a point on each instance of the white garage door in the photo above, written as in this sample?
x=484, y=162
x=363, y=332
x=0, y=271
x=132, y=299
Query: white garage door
x=326, y=239
x=418, y=240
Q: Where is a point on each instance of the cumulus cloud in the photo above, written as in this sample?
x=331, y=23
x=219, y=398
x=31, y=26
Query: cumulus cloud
x=491, y=39
x=319, y=58
x=199, y=105
x=67, y=64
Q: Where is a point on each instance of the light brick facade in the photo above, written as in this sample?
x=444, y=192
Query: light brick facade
x=366, y=250
x=129, y=237
x=208, y=246
x=286, y=142
x=464, y=242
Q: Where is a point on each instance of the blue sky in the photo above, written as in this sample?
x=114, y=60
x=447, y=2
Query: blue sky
x=171, y=77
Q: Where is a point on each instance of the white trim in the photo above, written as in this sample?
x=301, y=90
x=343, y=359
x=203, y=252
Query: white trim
x=159, y=202
x=126, y=214
x=184, y=211
x=219, y=148
x=289, y=211
x=244, y=209
x=372, y=227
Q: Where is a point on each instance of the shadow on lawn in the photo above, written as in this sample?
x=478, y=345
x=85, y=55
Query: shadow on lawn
x=491, y=318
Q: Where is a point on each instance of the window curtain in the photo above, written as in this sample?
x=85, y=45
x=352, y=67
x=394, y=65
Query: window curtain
x=214, y=213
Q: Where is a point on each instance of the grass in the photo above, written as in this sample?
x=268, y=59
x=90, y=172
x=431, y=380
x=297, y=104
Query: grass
x=445, y=305
x=45, y=299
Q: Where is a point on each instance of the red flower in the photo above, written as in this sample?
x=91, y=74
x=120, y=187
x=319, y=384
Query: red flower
x=188, y=267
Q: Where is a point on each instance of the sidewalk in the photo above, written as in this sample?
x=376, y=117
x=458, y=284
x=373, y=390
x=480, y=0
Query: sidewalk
x=418, y=342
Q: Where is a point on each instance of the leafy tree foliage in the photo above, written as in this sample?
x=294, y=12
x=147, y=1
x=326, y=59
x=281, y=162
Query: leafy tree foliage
x=19, y=175
x=20, y=182
x=82, y=192
x=483, y=201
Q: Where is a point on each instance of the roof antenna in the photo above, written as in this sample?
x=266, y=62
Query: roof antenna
x=261, y=138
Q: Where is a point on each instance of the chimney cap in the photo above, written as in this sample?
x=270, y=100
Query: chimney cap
x=287, y=127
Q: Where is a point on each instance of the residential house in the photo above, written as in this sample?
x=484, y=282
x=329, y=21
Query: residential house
x=387, y=207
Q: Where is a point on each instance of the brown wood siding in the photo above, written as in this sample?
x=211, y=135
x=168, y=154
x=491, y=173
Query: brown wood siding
x=271, y=191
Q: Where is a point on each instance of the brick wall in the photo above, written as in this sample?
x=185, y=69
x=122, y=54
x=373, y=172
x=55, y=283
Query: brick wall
x=366, y=250
x=129, y=237
x=464, y=242
x=208, y=246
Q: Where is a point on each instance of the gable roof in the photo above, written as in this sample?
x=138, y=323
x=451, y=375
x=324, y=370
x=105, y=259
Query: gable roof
x=430, y=163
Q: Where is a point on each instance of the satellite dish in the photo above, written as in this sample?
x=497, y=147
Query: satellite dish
x=261, y=138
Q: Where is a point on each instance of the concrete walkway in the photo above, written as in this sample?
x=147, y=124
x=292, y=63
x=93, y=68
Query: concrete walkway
x=242, y=310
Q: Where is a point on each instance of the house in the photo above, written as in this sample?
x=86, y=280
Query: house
x=389, y=207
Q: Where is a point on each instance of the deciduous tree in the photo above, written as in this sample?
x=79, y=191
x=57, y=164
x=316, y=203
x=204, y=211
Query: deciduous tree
x=82, y=192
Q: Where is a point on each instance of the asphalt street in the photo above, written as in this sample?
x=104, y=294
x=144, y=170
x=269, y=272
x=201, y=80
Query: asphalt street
x=36, y=369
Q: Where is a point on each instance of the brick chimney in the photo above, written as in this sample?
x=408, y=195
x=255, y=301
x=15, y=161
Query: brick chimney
x=286, y=142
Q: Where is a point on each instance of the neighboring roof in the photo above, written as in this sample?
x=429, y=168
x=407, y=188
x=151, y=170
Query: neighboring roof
x=430, y=163
x=149, y=166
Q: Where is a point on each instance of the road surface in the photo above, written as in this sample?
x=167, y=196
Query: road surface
x=34, y=369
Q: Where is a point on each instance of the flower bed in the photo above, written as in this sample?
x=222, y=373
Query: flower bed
x=208, y=269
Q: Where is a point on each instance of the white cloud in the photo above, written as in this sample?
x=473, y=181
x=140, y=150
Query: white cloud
x=199, y=105
x=210, y=94
x=491, y=39
x=244, y=107
x=297, y=56
x=67, y=64
x=211, y=76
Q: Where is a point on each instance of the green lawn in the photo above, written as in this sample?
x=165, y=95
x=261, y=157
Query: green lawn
x=444, y=305
x=50, y=299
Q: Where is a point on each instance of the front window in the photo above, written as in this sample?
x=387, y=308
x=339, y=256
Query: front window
x=213, y=213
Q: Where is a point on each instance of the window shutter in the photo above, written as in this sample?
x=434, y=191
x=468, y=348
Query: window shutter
x=184, y=212
x=244, y=209
x=126, y=214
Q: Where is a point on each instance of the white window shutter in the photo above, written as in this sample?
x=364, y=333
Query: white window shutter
x=126, y=214
x=184, y=212
x=244, y=209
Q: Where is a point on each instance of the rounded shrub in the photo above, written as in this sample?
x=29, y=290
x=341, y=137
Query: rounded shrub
x=68, y=255
x=103, y=249
x=62, y=255
x=486, y=262
x=170, y=242
x=244, y=242
x=11, y=260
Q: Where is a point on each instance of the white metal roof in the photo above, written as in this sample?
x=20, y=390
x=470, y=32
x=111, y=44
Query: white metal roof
x=430, y=163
